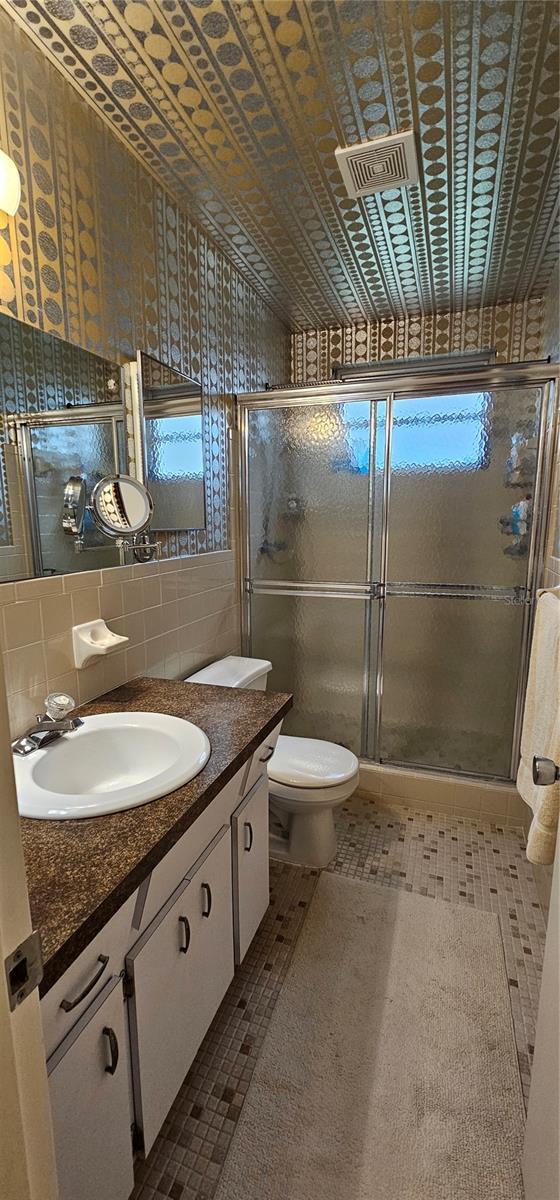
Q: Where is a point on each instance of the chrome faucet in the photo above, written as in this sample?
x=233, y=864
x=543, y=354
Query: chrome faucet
x=50, y=726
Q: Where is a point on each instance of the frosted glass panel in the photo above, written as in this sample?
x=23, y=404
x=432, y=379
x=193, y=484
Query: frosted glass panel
x=463, y=474
x=58, y=452
x=309, y=492
x=175, y=462
x=316, y=649
x=450, y=681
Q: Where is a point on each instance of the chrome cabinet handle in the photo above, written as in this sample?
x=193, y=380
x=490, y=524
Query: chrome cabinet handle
x=68, y=1005
x=248, y=826
x=208, y=891
x=267, y=754
x=545, y=771
x=113, y=1049
x=184, y=921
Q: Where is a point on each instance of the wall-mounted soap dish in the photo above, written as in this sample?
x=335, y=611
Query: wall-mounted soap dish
x=93, y=639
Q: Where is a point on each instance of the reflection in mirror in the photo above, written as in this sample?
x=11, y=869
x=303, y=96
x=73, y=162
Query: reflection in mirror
x=173, y=446
x=61, y=416
x=74, y=506
x=121, y=505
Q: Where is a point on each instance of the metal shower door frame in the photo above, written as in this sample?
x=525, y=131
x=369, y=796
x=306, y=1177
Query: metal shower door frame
x=20, y=427
x=395, y=385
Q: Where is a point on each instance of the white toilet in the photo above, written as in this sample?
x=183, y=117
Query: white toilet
x=308, y=778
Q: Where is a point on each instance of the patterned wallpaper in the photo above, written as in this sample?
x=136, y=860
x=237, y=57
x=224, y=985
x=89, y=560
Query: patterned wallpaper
x=237, y=106
x=41, y=373
x=514, y=330
x=100, y=255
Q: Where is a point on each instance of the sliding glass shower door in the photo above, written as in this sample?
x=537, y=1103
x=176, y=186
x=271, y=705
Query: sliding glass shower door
x=312, y=545
x=389, y=555
x=463, y=469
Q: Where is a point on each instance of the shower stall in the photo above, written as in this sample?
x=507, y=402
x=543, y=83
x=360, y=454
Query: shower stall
x=392, y=538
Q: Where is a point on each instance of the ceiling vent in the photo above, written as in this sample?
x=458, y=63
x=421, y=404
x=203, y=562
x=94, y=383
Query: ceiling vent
x=385, y=162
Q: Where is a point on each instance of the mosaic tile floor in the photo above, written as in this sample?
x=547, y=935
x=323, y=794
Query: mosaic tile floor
x=446, y=857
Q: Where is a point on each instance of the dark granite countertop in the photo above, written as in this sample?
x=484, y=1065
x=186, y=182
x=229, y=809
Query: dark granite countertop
x=80, y=872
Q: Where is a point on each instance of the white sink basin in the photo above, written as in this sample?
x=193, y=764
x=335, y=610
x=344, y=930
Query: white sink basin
x=113, y=761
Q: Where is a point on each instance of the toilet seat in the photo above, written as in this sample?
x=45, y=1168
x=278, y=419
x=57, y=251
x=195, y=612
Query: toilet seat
x=311, y=799
x=302, y=764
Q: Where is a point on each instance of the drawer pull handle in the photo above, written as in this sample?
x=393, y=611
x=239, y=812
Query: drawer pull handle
x=250, y=829
x=113, y=1049
x=68, y=1005
x=267, y=754
x=184, y=921
x=208, y=891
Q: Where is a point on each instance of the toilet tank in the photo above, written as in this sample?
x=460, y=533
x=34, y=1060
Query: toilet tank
x=234, y=671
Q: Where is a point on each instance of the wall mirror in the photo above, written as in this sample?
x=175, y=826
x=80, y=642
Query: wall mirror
x=121, y=506
x=174, y=449
x=61, y=418
x=64, y=429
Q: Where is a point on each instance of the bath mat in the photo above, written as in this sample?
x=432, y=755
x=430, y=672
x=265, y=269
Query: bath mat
x=389, y=1068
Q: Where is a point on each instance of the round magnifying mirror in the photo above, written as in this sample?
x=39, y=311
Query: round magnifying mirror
x=74, y=505
x=121, y=505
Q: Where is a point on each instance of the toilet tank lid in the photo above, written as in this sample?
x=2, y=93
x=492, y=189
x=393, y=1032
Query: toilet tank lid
x=232, y=671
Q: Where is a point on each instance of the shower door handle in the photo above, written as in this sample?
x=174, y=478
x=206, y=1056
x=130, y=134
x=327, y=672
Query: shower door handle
x=545, y=771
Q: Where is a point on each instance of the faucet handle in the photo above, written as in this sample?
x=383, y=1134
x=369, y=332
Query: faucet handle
x=58, y=705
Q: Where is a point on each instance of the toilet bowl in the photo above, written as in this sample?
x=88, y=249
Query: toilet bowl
x=308, y=778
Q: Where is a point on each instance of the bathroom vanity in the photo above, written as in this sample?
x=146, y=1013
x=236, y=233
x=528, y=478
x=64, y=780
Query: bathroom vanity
x=144, y=915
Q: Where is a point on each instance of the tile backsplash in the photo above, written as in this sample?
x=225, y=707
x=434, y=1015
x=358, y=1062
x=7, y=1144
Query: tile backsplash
x=178, y=615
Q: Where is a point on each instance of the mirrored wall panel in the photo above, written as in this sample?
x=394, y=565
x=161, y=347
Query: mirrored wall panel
x=174, y=449
x=61, y=416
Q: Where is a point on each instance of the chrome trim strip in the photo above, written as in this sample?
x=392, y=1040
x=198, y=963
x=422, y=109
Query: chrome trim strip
x=243, y=471
x=23, y=442
x=535, y=567
x=377, y=589
x=368, y=614
x=115, y=440
x=318, y=590
x=383, y=565
x=348, y=372
x=461, y=591
x=306, y=586
x=66, y=416
x=506, y=374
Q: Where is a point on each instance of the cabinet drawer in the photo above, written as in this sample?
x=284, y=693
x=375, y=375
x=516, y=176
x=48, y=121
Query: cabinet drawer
x=250, y=866
x=260, y=759
x=179, y=972
x=88, y=1085
x=73, y=993
x=170, y=872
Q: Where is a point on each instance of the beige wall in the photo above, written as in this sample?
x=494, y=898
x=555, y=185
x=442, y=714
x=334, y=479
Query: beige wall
x=178, y=614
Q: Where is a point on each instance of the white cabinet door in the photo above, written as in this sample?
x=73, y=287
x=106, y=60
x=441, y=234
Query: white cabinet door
x=260, y=758
x=179, y=970
x=88, y=1083
x=250, y=866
